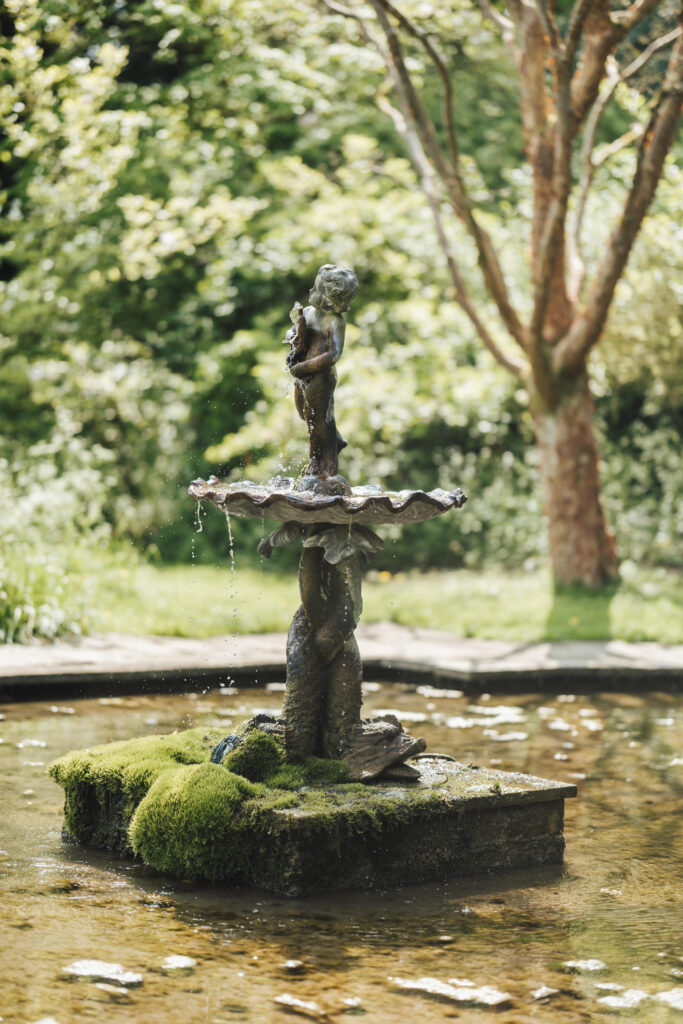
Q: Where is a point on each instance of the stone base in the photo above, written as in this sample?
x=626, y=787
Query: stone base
x=456, y=821
x=162, y=799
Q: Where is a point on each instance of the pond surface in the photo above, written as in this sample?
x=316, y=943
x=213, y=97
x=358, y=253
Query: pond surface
x=613, y=910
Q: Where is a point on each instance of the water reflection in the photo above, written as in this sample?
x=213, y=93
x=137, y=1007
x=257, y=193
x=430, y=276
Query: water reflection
x=616, y=900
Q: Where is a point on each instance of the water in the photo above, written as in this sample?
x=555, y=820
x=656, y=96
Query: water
x=616, y=900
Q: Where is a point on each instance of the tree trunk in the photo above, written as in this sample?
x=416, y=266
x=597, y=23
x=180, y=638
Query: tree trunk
x=581, y=545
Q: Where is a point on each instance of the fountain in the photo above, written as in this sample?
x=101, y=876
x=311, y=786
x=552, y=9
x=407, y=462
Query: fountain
x=323, y=699
x=278, y=802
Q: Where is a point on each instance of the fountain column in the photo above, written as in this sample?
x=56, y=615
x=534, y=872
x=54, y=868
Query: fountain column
x=324, y=669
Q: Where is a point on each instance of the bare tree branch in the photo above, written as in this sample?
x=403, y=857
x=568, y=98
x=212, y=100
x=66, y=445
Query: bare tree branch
x=366, y=32
x=655, y=144
x=499, y=20
x=530, y=56
x=577, y=20
x=549, y=25
x=626, y=20
x=449, y=173
x=346, y=12
x=553, y=180
x=424, y=169
x=589, y=163
x=603, y=31
x=438, y=61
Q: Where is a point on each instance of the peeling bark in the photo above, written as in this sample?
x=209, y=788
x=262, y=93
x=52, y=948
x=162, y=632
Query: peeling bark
x=581, y=544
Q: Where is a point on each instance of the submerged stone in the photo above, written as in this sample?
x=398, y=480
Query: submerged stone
x=486, y=995
x=100, y=970
x=304, y=1007
x=177, y=962
x=298, y=828
x=673, y=998
x=545, y=992
x=628, y=999
x=580, y=966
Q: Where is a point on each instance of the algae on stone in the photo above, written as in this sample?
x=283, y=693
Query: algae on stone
x=104, y=785
x=302, y=829
x=257, y=756
x=191, y=823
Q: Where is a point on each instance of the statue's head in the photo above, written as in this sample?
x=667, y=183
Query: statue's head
x=334, y=288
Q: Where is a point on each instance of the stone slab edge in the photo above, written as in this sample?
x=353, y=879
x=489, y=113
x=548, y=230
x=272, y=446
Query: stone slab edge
x=111, y=665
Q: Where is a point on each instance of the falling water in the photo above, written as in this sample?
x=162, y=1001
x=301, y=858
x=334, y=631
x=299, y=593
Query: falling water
x=231, y=546
x=198, y=517
x=233, y=589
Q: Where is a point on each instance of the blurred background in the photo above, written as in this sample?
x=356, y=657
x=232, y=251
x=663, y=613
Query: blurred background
x=171, y=177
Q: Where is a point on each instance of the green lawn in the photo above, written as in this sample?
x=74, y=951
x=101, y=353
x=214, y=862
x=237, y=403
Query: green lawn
x=205, y=601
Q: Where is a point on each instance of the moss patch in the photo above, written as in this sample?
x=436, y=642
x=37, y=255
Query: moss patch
x=301, y=830
x=257, y=757
x=191, y=824
x=104, y=785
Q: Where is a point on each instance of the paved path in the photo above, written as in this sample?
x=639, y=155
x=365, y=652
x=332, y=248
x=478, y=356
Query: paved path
x=113, y=663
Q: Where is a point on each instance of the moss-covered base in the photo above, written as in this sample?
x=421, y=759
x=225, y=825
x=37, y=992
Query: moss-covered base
x=298, y=828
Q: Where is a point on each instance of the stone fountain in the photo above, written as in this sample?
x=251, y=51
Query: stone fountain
x=278, y=803
x=321, y=714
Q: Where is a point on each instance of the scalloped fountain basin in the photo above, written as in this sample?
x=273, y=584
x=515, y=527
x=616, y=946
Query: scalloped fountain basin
x=369, y=505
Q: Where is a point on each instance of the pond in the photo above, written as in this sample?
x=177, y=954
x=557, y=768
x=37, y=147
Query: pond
x=603, y=931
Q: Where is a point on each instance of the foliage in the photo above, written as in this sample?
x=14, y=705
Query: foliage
x=54, y=540
x=170, y=179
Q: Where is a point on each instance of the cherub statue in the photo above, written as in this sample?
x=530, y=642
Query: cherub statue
x=316, y=341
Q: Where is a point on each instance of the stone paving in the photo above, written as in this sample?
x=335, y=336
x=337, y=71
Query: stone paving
x=114, y=663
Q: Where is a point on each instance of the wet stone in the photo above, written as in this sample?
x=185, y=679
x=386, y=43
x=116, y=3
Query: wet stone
x=100, y=970
x=545, y=992
x=461, y=994
x=304, y=1007
x=673, y=998
x=584, y=966
x=114, y=992
x=177, y=962
x=627, y=1000
x=294, y=966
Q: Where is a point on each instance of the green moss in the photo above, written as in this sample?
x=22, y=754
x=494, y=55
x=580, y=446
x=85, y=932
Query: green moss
x=289, y=776
x=162, y=798
x=257, y=757
x=104, y=785
x=311, y=771
x=190, y=823
x=320, y=772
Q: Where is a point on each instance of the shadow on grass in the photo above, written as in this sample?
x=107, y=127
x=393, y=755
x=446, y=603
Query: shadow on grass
x=580, y=613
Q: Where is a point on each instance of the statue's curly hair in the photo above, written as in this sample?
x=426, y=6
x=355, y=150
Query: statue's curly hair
x=335, y=287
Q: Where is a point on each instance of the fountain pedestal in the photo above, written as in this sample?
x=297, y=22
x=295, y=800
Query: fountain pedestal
x=321, y=713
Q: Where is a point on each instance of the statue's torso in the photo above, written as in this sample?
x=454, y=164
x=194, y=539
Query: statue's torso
x=322, y=327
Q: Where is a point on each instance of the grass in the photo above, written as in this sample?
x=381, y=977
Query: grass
x=197, y=601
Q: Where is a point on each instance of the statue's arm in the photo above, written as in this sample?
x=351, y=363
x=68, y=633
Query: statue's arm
x=334, y=346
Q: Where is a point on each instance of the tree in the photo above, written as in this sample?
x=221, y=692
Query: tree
x=572, y=60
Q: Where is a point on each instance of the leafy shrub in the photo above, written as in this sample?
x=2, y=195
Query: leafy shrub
x=54, y=540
